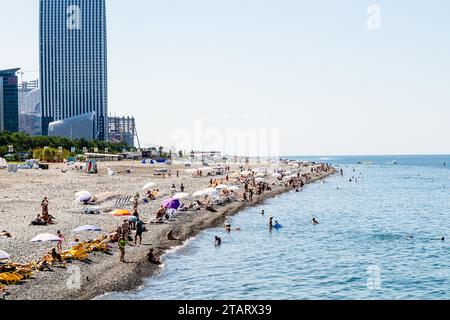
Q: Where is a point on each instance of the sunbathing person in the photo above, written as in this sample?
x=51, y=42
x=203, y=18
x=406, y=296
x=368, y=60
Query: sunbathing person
x=161, y=213
x=38, y=221
x=114, y=236
x=210, y=208
x=170, y=236
x=5, y=234
x=152, y=258
x=55, y=256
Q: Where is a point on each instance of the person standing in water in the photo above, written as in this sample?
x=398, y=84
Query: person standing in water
x=271, y=222
x=263, y=212
x=314, y=221
x=218, y=241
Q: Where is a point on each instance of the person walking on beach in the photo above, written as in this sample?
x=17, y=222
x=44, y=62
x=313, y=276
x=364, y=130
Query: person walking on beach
x=122, y=245
x=60, y=242
x=139, y=231
x=136, y=202
x=178, y=173
x=182, y=188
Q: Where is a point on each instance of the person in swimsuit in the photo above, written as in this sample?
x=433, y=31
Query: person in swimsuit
x=122, y=245
x=139, y=231
x=218, y=241
x=315, y=222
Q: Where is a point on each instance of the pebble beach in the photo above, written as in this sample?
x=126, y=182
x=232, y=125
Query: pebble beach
x=22, y=192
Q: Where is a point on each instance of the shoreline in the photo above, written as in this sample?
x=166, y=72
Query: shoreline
x=103, y=273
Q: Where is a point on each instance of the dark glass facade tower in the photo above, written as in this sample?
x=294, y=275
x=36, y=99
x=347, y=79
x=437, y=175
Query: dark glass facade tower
x=9, y=100
x=73, y=61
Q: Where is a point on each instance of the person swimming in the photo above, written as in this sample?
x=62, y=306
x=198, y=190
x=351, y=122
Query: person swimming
x=227, y=227
x=218, y=241
x=277, y=225
x=263, y=212
x=314, y=221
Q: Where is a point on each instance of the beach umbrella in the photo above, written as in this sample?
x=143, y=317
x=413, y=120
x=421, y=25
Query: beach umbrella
x=171, y=203
x=181, y=195
x=149, y=185
x=276, y=175
x=245, y=173
x=260, y=175
x=4, y=255
x=199, y=193
x=210, y=191
x=233, y=188
x=222, y=186
x=86, y=228
x=45, y=237
x=260, y=179
x=121, y=213
x=82, y=194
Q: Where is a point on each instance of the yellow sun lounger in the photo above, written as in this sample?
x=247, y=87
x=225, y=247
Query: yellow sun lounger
x=10, y=278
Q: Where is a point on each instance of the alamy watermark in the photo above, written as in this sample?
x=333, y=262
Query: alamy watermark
x=374, y=277
x=74, y=280
x=73, y=17
x=249, y=141
x=374, y=17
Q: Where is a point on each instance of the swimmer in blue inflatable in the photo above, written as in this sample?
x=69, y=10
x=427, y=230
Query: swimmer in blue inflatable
x=277, y=225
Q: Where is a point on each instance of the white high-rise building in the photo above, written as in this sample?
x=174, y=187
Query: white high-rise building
x=73, y=62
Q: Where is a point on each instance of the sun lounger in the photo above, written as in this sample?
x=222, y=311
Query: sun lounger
x=10, y=278
x=123, y=201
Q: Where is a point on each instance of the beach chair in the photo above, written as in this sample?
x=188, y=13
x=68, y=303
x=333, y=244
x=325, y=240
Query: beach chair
x=10, y=278
x=123, y=201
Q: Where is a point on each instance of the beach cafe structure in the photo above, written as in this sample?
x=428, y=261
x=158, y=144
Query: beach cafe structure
x=101, y=157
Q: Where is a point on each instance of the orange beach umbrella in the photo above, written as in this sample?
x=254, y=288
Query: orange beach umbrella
x=121, y=213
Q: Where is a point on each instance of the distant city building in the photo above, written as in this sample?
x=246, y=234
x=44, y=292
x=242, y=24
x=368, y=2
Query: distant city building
x=122, y=129
x=30, y=114
x=73, y=57
x=9, y=100
x=79, y=127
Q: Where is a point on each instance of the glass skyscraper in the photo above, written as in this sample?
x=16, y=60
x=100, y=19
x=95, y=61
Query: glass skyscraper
x=9, y=101
x=73, y=61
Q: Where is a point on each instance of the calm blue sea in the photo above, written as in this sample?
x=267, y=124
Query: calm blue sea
x=378, y=238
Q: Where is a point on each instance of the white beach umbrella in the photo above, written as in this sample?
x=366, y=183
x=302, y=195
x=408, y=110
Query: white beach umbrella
x=149, y=185
x=210, y=191
x=4, y=255
x=260, y=175
x=245, y=173
x=45, y=237
x=181, y=195
x=260, y=179
x=82, y=193
x=222, y=186
x=233, y=188
x=200, y=193
x=276, y=175
x=86, y=228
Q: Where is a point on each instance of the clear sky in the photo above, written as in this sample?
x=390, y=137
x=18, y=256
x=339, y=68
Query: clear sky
x=309, y=74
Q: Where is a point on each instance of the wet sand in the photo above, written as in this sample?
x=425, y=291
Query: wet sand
x=20, y=197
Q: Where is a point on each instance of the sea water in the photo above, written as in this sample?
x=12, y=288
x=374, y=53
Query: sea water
x=378, y=238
